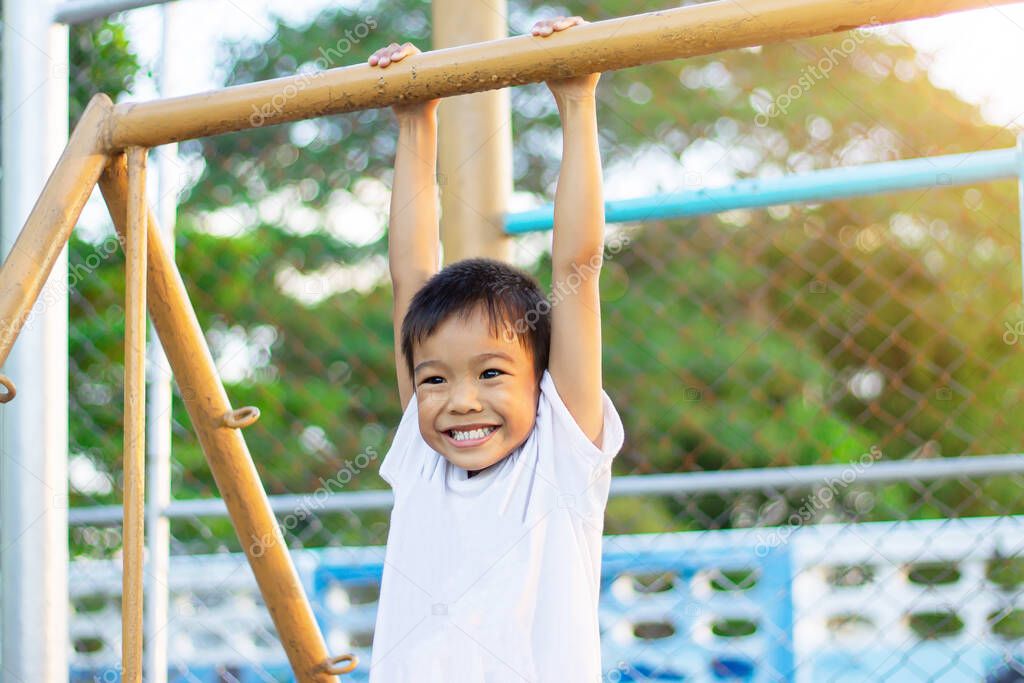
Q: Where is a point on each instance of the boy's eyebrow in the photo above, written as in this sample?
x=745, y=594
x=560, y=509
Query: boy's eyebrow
x=425, y=364
x=494, y=354
x=481, y=356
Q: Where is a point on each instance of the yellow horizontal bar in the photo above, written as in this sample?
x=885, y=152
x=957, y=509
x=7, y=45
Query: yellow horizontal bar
x=600, y=46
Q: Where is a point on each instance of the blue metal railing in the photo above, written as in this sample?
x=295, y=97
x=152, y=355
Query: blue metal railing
x=795, y=604
x=816, y=186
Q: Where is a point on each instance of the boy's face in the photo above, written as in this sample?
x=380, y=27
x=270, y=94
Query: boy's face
x=477, y=393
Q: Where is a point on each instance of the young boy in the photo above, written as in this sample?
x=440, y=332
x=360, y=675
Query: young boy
x=502, y=462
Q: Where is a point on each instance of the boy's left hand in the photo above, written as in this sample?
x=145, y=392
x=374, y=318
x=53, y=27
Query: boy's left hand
x=571, y=88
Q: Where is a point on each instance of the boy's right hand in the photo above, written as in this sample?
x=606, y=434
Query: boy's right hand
x=392, y=53
x=396, y=53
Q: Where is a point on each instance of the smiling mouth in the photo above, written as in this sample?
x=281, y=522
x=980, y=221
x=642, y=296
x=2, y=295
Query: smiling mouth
x=464, y=438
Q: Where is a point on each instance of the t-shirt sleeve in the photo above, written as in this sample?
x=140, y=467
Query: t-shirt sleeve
x=571, y=435
x=398, y=461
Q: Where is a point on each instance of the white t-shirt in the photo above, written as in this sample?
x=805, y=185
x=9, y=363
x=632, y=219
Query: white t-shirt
x=495, y=578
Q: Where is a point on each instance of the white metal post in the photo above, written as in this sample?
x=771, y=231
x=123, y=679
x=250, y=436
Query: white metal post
x=158, y=394
x=34, y=426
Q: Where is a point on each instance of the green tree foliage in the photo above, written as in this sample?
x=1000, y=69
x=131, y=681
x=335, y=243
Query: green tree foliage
x=790, y=336
x=101, y=61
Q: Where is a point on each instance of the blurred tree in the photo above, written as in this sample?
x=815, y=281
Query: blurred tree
x=101, y=61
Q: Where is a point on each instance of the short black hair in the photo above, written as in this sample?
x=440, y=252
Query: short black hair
x=509, y=297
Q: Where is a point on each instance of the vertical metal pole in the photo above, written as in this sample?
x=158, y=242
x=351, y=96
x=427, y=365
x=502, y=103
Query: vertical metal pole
x=34, y=438
x=133, y=537
x=230, y=462
x=474, y=155
x=158, y=398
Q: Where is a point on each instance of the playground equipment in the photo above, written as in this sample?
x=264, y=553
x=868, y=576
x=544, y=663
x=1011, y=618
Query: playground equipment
x=108, y=148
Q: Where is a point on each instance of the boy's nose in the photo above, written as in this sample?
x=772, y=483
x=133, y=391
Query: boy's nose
x=464, y=398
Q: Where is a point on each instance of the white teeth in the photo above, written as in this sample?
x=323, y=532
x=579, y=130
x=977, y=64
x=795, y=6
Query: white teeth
x=471, y=434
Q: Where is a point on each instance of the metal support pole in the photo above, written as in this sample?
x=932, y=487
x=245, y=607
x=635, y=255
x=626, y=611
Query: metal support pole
x=133, y=535
x=474, y=141
x=158, y=395
x=34, y=439
x=225, y=449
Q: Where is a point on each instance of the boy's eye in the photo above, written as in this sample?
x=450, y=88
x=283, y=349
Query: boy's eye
x=437, y=380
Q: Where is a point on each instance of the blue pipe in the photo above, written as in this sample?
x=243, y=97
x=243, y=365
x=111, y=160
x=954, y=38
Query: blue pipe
x=836, y=183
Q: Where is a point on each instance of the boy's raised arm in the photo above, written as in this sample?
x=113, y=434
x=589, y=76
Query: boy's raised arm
x=413, y=224
x=577, y=249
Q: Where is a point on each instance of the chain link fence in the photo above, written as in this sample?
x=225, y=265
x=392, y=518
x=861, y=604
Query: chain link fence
x=842, y=337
